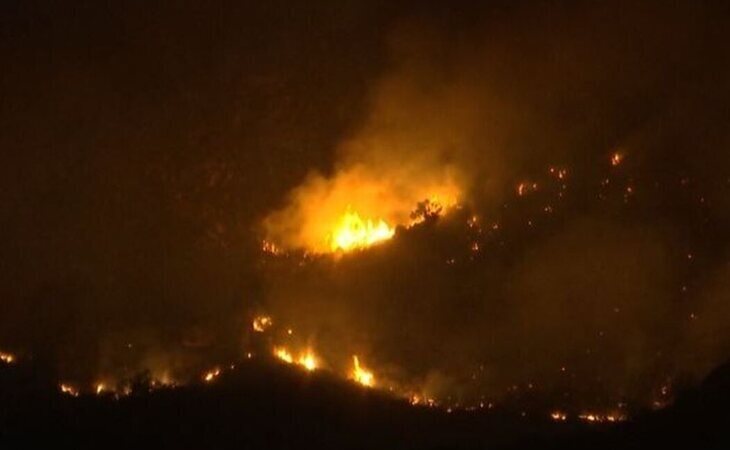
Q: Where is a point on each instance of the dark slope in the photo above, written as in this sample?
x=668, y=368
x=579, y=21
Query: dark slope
x=269, y=406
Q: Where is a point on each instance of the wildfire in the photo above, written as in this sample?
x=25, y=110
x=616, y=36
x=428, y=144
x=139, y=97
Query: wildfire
x=361, y=374
x=100, y=388
x=211, y=375
x=600, y=418
x=558, y=416
x=270, y=247
x=418, y=400
x=356, y=208
x=7, y=358
x=284, y=355
x=308, y=361
x=353, y=232
x=616, y=159
x=68, y=390
x=526, y=187
x=261, y=323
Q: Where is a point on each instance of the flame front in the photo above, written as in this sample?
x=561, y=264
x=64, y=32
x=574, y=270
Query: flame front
x=283, y=354
x=354, y=232
x=306, y=359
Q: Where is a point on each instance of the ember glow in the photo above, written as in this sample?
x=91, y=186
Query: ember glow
x=211, y=375
x=601, y=418
x=617, y=158
x=7, y=358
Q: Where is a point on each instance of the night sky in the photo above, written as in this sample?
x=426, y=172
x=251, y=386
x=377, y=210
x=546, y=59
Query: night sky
x=149, y=148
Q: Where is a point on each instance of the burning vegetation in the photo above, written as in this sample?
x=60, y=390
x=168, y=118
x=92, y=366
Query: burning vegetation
x=361, y=374
x=352, y=232
x=469, y=235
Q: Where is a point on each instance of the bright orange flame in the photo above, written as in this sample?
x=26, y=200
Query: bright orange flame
x=308, y=361
x=7, y=358
x=356, y=208
x=352, y=232
x=361, y=374
x=283, y=354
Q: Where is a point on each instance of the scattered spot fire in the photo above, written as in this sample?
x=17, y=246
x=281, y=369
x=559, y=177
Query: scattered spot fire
x=7, y=358
x=261, y=323
x=601, y=418
x=617, y=158
x=306, y=359
x=211, y=375
x=68, y=389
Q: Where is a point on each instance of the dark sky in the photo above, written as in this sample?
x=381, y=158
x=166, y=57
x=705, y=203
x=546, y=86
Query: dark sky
x=143, y=144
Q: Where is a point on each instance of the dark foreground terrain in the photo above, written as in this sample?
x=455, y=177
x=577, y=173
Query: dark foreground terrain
x=267, y=406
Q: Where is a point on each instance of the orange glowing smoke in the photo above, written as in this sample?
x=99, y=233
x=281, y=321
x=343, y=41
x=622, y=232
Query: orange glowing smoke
x=360, y=374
